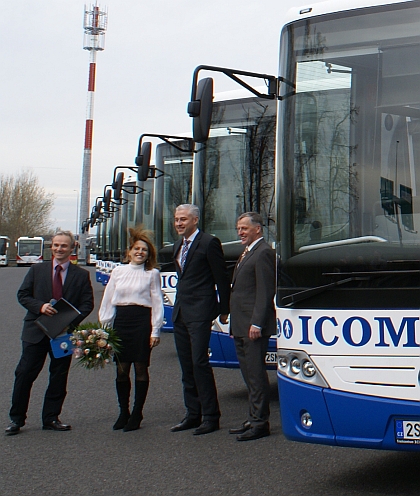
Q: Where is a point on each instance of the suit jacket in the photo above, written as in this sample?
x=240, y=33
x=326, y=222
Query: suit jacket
x=204, y=269
x=36, y=290
x=253, y=290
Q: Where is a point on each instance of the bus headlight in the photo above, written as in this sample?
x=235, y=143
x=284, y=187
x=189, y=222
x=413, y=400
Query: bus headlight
x=295, y=365
x=308, y=368
x=306, y=420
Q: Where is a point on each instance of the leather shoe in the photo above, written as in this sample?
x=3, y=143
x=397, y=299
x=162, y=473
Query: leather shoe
x=185, y=424
x=56, y=425
x=206, y=427
x=240, y=430
x=254, y=433
x=12, y=429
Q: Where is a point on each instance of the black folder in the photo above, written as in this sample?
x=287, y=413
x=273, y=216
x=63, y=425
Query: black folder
x=54, y=325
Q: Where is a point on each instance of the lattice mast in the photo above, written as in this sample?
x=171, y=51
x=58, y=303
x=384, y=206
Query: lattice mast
x=94, y=25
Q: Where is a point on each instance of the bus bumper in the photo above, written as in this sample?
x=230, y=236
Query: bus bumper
x=343, y=419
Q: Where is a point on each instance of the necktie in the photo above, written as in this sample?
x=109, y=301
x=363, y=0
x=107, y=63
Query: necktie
x=243, y=255
x=184, y=253
x=57, y=283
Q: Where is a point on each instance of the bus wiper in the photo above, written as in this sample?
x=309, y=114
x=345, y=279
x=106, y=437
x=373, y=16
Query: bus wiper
x=308, y=293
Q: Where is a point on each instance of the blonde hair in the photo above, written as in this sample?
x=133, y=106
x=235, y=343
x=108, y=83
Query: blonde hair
x=138, y=233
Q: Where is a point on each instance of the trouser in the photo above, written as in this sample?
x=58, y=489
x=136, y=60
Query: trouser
x=30, y=365
x=200, y=394
x=251, y=357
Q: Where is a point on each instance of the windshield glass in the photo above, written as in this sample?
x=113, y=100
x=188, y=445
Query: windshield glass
x=3, y=246
x=235, y=168
x=30, y=248
x=351, y=152
x=173, y=187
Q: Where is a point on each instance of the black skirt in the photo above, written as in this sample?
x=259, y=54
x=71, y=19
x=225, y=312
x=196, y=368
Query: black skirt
x=133, y=325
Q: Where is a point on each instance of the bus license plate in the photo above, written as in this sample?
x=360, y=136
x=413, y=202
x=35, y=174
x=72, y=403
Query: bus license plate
x=271, y=357
x=407, y=431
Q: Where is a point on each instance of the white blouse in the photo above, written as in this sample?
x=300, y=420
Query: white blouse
x=133, y=285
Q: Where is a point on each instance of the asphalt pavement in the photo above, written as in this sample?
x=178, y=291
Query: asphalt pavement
x=92, y=459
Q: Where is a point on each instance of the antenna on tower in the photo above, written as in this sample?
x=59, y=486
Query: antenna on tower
x=94, y=24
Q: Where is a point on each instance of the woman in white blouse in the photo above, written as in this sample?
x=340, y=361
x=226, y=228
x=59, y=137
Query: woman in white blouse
x=133, y=305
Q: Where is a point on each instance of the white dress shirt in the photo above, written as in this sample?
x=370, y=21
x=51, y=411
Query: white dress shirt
x=133, y=285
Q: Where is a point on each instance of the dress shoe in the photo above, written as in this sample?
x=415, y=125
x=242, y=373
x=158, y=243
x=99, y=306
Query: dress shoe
x=240, y=430
x=254, y=433
x=206, y=427
x=56, y=425
x=186, y=423
x=12, y=429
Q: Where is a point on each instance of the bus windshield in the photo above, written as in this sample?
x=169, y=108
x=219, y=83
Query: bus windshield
x=350, y=149
x=30, y=247
x=3, y=245
x=236, y=167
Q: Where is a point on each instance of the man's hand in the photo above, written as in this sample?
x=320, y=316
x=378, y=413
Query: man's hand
x=224, y=319
x=254, y=333
x=48, y=309
x=154, y=342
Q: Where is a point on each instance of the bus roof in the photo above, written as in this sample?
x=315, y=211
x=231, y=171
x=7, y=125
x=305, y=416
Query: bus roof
x=331, y=6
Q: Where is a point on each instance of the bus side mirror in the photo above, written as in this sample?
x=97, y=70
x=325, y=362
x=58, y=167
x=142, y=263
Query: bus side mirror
x=143, y=161
x=201, y=109
x=117, y=186
x=107, y=200
x=97, y=209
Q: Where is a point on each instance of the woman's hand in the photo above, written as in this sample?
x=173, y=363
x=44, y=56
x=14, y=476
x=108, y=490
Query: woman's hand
x=154, y=342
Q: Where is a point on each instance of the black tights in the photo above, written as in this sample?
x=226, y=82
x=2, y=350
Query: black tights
x=141, y=371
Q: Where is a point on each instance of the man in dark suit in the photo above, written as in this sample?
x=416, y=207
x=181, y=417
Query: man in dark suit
x=44, y=282
x=201, y=267
x=253, y=321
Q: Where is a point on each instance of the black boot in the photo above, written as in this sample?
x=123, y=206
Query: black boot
x=123, y=394
x=137, y=414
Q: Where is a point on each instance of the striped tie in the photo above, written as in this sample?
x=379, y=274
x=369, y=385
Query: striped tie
x=243, y=255
x=184, y=253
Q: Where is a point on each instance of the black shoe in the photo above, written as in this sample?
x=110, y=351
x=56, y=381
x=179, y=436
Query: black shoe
x=206, y=427
x=254, y=433
x=185, y=424
x=121, y=421
x=240, y=430
x=56, y=425
x=12, y=429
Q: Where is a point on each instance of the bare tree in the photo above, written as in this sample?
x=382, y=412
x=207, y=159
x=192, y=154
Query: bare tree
x=25, y=206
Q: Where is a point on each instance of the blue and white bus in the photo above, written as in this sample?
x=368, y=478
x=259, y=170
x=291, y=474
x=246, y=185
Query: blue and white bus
x=348, y=224
x=347, y=221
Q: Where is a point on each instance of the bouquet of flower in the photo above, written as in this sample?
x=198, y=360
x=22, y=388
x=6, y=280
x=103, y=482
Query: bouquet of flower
x=94, y=344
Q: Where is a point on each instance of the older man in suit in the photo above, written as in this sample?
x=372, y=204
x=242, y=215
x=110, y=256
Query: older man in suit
x=253, y=321
x=44, y=282
x=201, y=268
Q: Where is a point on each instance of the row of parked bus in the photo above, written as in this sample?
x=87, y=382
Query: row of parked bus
x=35, y=249
x=330, y=157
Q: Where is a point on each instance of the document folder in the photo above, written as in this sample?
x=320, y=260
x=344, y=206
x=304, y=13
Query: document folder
x=54, y=325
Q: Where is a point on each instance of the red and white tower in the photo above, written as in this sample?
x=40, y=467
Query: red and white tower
x=94, y=25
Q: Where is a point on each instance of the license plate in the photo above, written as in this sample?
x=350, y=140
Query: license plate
x=271, y=357
x=407, y=431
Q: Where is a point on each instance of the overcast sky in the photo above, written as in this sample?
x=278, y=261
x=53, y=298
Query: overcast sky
x=143, y=80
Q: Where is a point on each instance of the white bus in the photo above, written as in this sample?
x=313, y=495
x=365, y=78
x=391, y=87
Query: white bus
x=4, y=250
x=346, y=223
x=29, y=250
x=348, y=216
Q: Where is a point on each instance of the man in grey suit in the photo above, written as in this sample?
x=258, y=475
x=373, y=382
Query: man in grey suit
x=44, y=282
x=253, y=321
x=201, y=267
